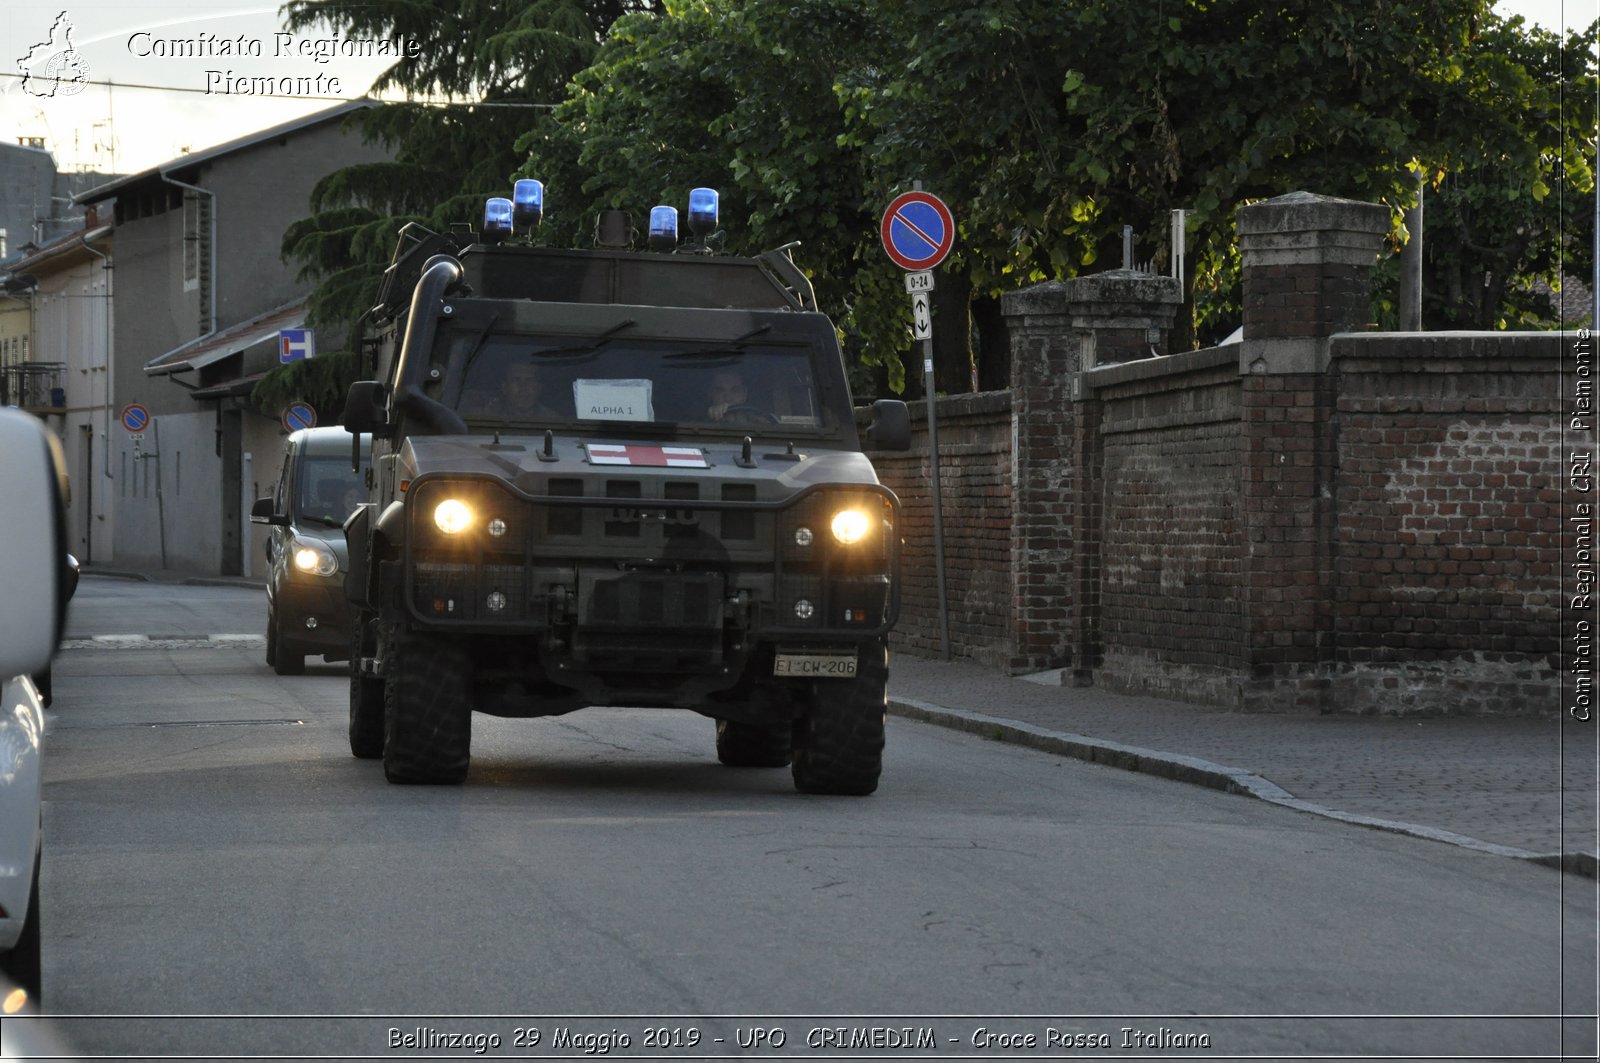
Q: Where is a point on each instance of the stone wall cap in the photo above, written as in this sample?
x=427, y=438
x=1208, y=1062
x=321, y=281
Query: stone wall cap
x=1454, y=344
x=1166, y=365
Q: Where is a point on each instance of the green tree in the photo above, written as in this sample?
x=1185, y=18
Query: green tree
x=1046, y=126
x=739, y=97
x=1511, y=202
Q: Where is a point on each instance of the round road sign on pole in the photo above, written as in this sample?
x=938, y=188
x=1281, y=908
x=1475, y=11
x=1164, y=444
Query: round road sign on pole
x=917, y=230
x=135, y=418
x=298, y=415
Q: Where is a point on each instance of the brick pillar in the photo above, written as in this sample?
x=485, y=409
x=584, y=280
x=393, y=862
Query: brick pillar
x=1059, y=329
x=1307, y=262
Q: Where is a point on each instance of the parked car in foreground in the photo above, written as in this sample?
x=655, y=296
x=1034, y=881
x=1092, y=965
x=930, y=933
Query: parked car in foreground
x=306, y=608
x=35, y=582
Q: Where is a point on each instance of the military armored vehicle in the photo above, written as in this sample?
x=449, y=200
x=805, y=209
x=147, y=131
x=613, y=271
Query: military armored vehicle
x=616, y=477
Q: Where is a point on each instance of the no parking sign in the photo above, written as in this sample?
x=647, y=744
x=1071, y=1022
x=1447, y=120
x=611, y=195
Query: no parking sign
x=918, y=230
x=135, y=418
x=298, y=415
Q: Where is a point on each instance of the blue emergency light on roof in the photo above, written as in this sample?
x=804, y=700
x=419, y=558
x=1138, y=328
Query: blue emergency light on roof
x=702, y=211
x=496, y=220
x=663, y=228
x=527, y=205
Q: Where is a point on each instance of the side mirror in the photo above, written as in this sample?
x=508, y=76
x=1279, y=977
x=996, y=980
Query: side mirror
x=262, y=513
x=891, y=426
x=366, y=408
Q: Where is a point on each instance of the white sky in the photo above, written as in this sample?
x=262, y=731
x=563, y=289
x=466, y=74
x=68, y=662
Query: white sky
x=127, y=128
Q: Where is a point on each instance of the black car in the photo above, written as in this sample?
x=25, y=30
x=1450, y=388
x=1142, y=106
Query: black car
x=306, y=608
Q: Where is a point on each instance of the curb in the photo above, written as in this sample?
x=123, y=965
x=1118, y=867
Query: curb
x=1182, y=768
x=188, y=581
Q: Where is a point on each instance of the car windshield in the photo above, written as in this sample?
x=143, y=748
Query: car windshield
x=705, y=387
x=329, y=490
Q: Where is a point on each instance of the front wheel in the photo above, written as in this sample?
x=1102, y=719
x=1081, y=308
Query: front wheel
x=838, y=740
x=753, y=745
x=366, y=694
x=284, y=660
x=427, y=711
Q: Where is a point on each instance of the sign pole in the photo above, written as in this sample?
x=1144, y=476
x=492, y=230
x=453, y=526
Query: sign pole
x=938, y=502
x=918, y=232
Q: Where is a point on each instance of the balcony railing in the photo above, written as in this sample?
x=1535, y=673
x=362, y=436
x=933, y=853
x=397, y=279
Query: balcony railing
x=34, y=385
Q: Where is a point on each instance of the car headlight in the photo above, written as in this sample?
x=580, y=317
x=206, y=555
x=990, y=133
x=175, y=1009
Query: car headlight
x=850, y=526
x=452, y=516
x=311, y=556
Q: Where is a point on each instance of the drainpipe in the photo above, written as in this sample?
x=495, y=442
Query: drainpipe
x=105, y=440
x=105, y=264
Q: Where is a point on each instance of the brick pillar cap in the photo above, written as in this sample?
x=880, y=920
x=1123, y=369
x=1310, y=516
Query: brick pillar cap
x=1306, y=211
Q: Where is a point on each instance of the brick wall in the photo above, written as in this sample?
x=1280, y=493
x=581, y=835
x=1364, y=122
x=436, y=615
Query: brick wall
x=1319, y=518
x=975, y=484
x=1170, y=547
x=1449, y=523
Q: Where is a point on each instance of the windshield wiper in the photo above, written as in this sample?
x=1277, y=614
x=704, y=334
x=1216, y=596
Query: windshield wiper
x=478, y=342
x=733, y=346
x=593, y=345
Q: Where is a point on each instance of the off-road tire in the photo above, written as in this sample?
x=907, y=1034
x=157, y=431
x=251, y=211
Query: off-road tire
x=366, y=694
x=427, y=711
x=838, y=740
x=284, y=660
x=754, y=745
x=23, y=966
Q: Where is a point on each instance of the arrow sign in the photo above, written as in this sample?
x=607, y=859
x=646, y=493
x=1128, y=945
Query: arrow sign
x=298, y=415
x=918, y=230
x=921, y=317
x=135, y=418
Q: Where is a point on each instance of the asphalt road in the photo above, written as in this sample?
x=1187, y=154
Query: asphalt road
x=214, y=852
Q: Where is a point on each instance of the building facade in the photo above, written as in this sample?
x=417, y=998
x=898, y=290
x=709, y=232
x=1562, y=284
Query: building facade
x=62, y=295
x=203, y=291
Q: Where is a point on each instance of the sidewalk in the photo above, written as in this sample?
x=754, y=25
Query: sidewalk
x=1522, y=788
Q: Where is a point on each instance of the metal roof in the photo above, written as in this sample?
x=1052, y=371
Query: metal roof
x=235, y=339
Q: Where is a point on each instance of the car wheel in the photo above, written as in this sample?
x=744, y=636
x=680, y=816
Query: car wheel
x=366, y=695
x=427, y=712
x=754, y=745
x=838, y=740
x=284, y=661
x=42, y=683
x=23, y=965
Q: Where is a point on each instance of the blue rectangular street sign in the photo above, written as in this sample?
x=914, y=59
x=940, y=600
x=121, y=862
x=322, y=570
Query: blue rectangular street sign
x=295, y=344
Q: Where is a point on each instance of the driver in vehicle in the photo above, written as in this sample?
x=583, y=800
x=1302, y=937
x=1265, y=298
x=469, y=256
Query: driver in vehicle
x=522, y=394
x=730, y=399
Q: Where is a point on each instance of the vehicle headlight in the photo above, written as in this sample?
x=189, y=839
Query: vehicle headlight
x=850, y=526
x=314, y=557
x=452, y=516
